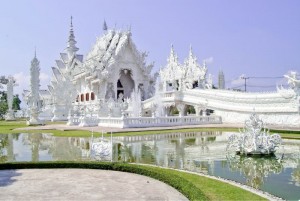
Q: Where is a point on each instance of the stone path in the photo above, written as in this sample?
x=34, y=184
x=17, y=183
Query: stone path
x=81, y=184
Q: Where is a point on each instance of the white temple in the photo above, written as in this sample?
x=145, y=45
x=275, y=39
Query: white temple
x=113, y=86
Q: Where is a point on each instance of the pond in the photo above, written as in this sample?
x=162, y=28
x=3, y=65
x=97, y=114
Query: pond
x=203, y=152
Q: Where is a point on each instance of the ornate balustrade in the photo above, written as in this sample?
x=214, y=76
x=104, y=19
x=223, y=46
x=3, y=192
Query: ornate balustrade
x=83, y=121
x=76, y=120
x=158, y=121
x=168, y=136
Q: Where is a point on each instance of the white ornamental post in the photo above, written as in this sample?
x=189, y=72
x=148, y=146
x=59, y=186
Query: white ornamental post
x=10, y=96
x=34, y=99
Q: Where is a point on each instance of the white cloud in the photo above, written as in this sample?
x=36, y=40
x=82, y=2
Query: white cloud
x=238, y=82
x=44, y=78
x=209, y=60
x=22, y=79
x=23, y=83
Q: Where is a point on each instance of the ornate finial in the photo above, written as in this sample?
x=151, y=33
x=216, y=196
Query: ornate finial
x=191, y=51
x=173, y=57
x=104, y=26
x=34, y=51
x=172, y=50
x=71, y=47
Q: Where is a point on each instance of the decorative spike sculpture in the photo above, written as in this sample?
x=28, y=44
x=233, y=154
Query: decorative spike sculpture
x=34, y=98
x=254, y=139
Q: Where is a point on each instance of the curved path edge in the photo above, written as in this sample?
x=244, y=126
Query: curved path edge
x=234, y=183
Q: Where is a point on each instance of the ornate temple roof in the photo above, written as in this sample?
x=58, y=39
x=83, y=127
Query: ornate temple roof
x=107, y=46
x=189, y=71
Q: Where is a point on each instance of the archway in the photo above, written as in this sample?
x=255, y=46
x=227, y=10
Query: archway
x=126, y=83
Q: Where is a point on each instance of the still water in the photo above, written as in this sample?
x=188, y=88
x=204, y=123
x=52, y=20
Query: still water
x=203, y=152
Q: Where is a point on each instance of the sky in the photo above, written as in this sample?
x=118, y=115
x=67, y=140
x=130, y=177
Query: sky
x=256, y=38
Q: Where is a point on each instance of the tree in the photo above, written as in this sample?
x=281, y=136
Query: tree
x=16, y=103
x=4, y=105
x=3, y=109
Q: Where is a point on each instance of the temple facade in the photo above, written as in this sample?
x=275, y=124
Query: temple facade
x=114, y=86
x=107, y=76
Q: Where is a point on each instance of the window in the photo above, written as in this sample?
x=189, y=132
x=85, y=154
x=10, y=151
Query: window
x=92, y=96
x=81, y=97
x=87, y=96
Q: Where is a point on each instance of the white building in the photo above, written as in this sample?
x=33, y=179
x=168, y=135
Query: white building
x=113, y=86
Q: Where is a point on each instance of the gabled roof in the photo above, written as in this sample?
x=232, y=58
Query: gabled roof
x=79, y=57
x=60, y=64
x=57, y=74
x=64, y=57
x=106, y=48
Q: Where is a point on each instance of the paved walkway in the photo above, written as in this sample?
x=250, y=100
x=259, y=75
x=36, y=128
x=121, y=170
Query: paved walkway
x=81, y=184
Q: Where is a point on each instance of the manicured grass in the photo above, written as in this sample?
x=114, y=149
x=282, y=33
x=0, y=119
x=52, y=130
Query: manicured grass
x=7, y=127
x=287, y=134
x=194, y=187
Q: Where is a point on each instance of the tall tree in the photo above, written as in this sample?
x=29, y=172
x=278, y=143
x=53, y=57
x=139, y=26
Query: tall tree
x=16, y=103
x=3, y=104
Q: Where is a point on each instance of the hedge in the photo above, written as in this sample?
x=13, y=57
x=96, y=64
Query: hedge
x=184, y=186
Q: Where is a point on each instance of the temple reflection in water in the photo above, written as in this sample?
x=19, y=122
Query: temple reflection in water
x=203, y=152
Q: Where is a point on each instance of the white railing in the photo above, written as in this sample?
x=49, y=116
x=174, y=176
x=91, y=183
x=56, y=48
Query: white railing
x=168, y=136
x=84, y=121
x=111, y=122
x=142, y=122
x=76, y=120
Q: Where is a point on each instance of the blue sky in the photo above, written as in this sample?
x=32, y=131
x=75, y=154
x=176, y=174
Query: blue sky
x=252, y=37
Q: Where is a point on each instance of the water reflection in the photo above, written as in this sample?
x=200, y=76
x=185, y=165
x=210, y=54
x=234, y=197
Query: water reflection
x=203, y=152
x=296, y=176
x=255, y=169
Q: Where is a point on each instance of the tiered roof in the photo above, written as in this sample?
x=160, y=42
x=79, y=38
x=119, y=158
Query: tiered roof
x=189, y=72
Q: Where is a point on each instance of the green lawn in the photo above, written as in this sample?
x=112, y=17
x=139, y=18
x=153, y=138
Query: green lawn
x=194, y=187
x=7, y=127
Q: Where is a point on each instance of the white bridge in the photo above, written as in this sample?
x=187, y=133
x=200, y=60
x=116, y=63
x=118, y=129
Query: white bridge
x=278, y=108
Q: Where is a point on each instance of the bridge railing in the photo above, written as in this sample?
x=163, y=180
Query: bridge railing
x=141, y=122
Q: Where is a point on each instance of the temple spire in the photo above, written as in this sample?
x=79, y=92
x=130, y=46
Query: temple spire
x=191, y=53
x=34, y=52
x=104, y=26
x=191, y=49
x=173, y=57
x=71, y=47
